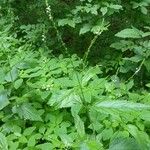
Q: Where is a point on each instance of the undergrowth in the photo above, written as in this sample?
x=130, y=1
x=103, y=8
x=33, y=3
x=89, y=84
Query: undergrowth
x=75, y=78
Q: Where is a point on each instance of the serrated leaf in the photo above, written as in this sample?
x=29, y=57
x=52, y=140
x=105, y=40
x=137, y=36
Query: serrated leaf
x=148, y=84
x=3, y=142
x=86, y=28
x=3, y=99
x=75, y=109
x=129, y=33
x=64, y=98
x=90, y=74
x=12, y=75
x=18, y=83
x=66, y=21
x=96, y=29
x=28, y=131
x=67, y=140
x=107, y=134
x=2, y=76
x=87, y=95
x=146, y=34
x=13, y=145
x=79, y=124
x=27, y=111
x=135, y=58
x=45, y=146
x=145, y=115
x=115, y=6
x=122, y=105
x=104, y=10
x=144, y=10
x=141, y=137
x=84, y=146
x=31, y=141
x=124, y=144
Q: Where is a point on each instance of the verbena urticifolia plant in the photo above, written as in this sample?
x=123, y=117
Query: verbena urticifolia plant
x=74, y=75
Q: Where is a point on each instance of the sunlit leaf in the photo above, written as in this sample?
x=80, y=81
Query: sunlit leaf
x=3, y=99
x=129, y=33
x=3, y=142
x=122, y=105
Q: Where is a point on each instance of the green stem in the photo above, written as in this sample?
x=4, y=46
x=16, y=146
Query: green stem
x=137, y=70
x=48, y=9
x=89, y=48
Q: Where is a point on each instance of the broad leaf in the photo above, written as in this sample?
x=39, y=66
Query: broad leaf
x=63, y=22
x=141, y=137
x=115, y=6
x=12, y=75
x=104, y=10
x=86, y=28
x=145, y=115
x=79, y=124
x=129, y=33
x=64, y=98
x=27, y=111
x=122, y=105
x=3, y=99
x=29, y=131
x=90, y=74
x=18, y=83
x=3, y=142
x=2, y=76
x=45, y=146
x=124, y=144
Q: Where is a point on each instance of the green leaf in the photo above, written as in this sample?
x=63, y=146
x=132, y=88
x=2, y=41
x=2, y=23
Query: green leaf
x=18, y=83
x=27, y=111
x=3, y=142
x=124, y=144
x=87, y=95
x=104, y=10
x=31, y=141
x=2, y=76
x=3, y=99
x=86, y=28
x=84, y=146
x=75, y=109
x=64, y=98
x=122, y=105
x=45, y=146
x=145, y=115
x=144, y=10
x=28, y=131
x=96, y=29
x=12, y=75
x=23, y=139
x=63, y=22
x=90, y=74
x=67, y=140
x=146, y=34
x=115, y=6
x=129, y=33
x=135, y=58
x=79, y=124
x=13, y=145
x=141, y=137
x=107, y=134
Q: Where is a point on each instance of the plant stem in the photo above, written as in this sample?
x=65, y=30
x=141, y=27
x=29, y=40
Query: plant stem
x=89, y=48
x=137, y=70
x=63, y=45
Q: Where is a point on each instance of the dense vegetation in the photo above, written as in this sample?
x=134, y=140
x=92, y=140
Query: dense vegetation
x=74, y=75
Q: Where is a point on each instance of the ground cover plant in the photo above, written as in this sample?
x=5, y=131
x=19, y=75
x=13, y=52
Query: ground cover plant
x=74, y=75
